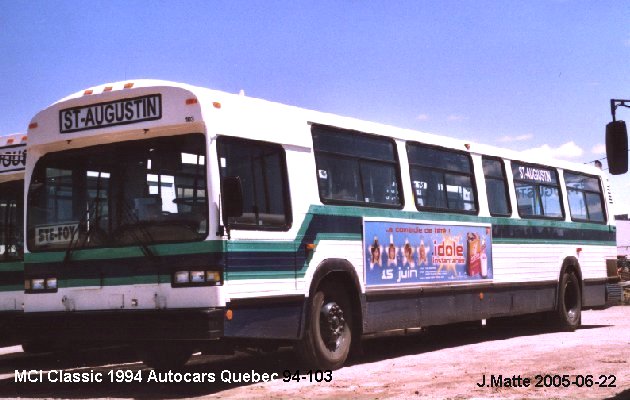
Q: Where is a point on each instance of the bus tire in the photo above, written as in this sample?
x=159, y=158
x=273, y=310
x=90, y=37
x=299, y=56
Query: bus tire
x=569, y=311
x=164, y=356
x=328, y=336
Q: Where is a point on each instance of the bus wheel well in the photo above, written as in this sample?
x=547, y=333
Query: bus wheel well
x=571, y=264
x=569, y=295
x=341, y=271
x=332, y=322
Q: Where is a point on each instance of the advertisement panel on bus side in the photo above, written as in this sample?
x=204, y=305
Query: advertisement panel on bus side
x=400, y=252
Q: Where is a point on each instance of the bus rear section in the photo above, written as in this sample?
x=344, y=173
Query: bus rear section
x=12, y=162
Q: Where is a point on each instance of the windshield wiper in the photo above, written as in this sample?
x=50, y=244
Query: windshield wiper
x=85, y=220
x=144, y=247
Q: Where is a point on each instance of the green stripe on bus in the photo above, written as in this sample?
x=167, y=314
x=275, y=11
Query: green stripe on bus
x=12, y=266
x=153, y=279
x=547, y=241
x=271, y=247
x=337, y=236
x=306, y=222
x=11, y=288
x=432, y=216
x=292, y=245
x=114, y=281
x=209, y=246
x=234, y=276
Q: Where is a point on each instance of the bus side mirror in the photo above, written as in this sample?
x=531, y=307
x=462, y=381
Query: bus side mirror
x=231, y=197
x=617, y=147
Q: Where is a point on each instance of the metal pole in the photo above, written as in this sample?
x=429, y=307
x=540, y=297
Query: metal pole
x=614, y=103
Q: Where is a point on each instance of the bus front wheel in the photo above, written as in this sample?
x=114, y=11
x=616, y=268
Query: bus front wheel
x=328, y=336
x=569, y=312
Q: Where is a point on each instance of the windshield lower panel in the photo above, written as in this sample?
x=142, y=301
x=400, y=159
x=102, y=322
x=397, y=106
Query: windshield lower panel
x=128, y=193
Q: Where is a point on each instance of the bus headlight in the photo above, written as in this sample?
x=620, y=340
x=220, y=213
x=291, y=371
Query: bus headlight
x=40, y=285
x=51, y=283
x=181, y=277
x=196, y=278
x=213, y=276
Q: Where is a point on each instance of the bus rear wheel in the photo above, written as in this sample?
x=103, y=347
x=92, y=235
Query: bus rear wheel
x=569, y=312
x=328, y=336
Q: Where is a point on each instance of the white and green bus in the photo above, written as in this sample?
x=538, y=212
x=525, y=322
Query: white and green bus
x=180, y=218
x=12, y=164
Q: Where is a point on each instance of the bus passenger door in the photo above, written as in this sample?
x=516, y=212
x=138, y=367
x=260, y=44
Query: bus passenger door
x=259, y=247
x=260, y=261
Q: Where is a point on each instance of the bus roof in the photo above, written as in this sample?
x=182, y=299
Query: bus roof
x=255, y=118
x=12, y=140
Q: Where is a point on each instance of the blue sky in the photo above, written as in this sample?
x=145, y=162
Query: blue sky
x=533, y=74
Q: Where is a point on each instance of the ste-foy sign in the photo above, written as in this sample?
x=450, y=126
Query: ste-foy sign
x=118, y=112
x=56, y=234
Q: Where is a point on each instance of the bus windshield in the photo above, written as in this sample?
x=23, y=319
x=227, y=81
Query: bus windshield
x=126, y=193
x=11, y=221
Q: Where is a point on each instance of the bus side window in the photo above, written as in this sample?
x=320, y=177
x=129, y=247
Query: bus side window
x=496, y=187
x=586, y=201
x=262, y=169
x=537, y=191
x=356, y=168
x=442, y=179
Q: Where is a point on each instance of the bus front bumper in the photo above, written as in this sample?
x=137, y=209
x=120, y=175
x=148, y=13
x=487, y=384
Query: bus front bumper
x=125, y=326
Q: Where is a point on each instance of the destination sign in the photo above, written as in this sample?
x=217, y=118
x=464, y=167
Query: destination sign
x=103, y=115
x=55, y=234
x=532, y=173
x=13, y=159
x=535, y=174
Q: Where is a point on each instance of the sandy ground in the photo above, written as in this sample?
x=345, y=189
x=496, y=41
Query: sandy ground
x=445, y=363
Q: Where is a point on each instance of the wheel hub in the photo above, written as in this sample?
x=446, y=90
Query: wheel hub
x=333, y=324
x=571, y=302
